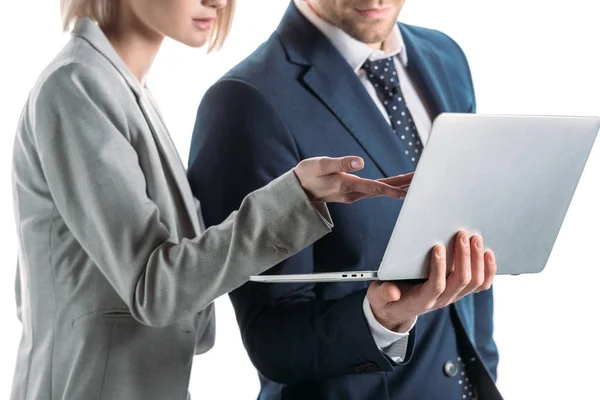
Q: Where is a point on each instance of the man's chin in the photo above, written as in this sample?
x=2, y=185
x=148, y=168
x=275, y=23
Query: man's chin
x=371, y=37
x=371, y=34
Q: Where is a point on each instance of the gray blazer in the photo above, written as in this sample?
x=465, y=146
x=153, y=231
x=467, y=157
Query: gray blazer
x=115, y=279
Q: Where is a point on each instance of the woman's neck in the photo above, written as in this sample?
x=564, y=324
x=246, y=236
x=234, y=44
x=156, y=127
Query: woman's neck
x=134, y=42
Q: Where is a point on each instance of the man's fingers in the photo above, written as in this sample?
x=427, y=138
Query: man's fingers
x=462, y=270
x=390, y=292
x=477, y=263
x=477, y=274
x=328, y=166
x=375, y=297
x=436, y=284
x=490, y=271
x=382, y=293
x=459, y=279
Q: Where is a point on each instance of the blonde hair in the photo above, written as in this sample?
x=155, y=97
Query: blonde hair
x=221, y=30
x=103, y=11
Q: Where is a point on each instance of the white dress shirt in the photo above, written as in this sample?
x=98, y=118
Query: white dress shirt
x=393, y=344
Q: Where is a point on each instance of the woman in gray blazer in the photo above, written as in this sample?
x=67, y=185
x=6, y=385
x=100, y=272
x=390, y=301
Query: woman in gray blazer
x=116, y=272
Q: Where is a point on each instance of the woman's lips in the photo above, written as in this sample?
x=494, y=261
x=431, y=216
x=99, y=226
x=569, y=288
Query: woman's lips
x=204, y=23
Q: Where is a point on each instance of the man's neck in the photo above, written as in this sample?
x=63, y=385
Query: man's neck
x=375, y=46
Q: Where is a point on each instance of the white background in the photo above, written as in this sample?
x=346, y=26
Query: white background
x=527, y=56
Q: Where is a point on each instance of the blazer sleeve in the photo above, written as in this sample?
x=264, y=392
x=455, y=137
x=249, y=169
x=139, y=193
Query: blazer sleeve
x=205, y=337
x=484, y=330
x=81, y=136
x=290, y=333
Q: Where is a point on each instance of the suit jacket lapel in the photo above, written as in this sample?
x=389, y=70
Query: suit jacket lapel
x=88, y=30
x=347, y=98
x=334, y=82
x=167, y=147
x=336, y=85
x=428, y=73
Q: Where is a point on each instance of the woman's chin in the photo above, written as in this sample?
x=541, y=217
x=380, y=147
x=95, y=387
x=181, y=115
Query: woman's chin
x=195, y=40
x=197, y=43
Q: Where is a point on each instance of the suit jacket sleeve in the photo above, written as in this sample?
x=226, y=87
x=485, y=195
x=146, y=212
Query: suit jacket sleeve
x=484, y=329
x=92, y=171
x=289, y=333
x=205, y=337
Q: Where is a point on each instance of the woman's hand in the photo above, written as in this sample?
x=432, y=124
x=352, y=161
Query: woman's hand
x=328, y=180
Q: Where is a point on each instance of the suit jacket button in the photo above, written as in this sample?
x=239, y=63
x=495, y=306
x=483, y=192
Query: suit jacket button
x=450, y=369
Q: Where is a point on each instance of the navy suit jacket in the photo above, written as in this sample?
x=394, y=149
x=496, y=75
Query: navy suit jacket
x=295, y=97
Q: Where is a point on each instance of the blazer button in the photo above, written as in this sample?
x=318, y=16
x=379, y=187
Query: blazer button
x=450, y=369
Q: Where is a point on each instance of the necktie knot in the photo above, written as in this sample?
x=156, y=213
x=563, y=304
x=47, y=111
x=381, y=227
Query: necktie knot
x=382, y=74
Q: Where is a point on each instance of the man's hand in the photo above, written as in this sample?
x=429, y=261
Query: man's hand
x=327, y=179
x=397, y=305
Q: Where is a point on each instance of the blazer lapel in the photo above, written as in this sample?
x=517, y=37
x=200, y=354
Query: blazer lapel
x=167, y=147
x=89, y=30
x=465, y=310
x=334, y=82
x=349, y=101
x=428, y=73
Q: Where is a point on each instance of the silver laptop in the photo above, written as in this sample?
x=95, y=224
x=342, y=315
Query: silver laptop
x=508, y=178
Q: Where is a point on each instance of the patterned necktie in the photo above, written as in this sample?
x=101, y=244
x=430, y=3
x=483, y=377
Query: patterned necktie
x=384, y=77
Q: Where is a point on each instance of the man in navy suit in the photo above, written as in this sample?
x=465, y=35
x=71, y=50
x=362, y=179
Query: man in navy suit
x=342, y=77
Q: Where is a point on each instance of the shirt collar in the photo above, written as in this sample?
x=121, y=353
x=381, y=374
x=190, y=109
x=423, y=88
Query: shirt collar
x=354, y=51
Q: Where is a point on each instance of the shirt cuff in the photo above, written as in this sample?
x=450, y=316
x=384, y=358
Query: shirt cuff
x=392, y=344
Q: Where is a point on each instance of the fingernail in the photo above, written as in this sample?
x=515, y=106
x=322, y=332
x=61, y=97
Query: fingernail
x=438, y=252
x=355, y=164
x=492, y=258
x=478, y=244
x=465, y=240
